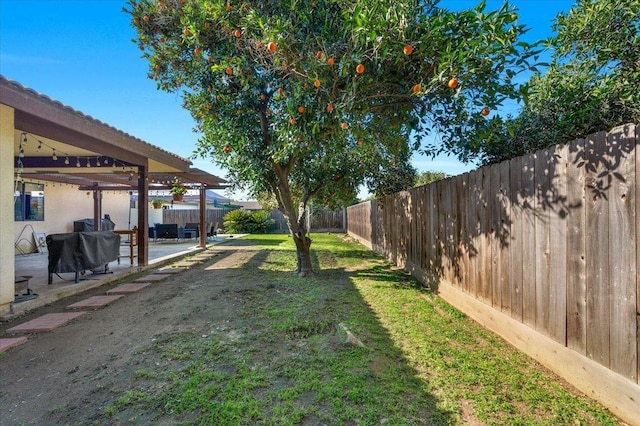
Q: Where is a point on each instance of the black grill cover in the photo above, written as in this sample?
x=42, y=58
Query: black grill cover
x=87, y=225
x=82, y=251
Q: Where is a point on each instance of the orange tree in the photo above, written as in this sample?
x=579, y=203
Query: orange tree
x=310, y=99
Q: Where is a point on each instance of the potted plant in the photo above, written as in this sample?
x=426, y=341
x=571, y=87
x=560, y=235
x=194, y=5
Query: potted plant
x=178, y=191
x=157, y=203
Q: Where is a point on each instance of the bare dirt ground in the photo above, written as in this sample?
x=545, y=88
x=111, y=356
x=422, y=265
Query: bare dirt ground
x=67, y=376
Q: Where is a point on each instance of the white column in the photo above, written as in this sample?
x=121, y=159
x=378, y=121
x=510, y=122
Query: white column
x=7, y=234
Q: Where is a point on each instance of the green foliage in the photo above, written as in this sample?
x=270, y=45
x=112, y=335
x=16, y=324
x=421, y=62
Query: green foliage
x=242, y=221
x=591, y=84
x=308, y=100
x=428, y=177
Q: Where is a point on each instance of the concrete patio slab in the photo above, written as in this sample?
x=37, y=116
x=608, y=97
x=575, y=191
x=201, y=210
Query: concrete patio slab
x=128, y=288
x=95, y=302
x=11, y=342
x=46, y=323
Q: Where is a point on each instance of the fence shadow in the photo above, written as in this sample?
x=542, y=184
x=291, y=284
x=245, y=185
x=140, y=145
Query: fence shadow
x=539, y=237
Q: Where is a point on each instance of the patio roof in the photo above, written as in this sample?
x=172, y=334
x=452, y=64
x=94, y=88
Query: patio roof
x=55, y=143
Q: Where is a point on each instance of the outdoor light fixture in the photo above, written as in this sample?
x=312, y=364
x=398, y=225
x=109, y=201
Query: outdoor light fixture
x=78, y=162
x=98, y=161
x=21, y=154
x=66, y=160
x=24, y=138
x=54, y=156
x=39, y=145
x=88, y=163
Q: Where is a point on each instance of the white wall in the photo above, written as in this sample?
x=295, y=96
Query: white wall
x=64, y=204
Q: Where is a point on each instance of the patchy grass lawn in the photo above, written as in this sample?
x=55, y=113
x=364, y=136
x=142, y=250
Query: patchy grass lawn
x=282, y=360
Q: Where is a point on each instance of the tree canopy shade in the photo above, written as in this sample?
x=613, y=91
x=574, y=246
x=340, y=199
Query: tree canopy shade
x=309, y=99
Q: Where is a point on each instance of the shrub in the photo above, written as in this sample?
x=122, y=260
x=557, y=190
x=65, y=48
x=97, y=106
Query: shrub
x=242, y=221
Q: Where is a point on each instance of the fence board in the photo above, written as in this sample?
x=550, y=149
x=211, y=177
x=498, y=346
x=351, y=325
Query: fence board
x=622, y=249
x=515, y=236
x=503, y=235
x=494, y=235
x=541, y=223
x=637, y=151
x=597, y=251
x=528, y=242
x=461, y=259
x=576, y=265
x=474, y=232
x=557, y=302
x=484, y=259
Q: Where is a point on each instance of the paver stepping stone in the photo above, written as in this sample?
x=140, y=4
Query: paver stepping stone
x=46, y=322
x=10, y=342
x=128, y=288
x=185, y=264
x=95, y=302
x=150, y=278
x=168, y=271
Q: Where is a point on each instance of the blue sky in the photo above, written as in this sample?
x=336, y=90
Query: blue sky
x=80, y=53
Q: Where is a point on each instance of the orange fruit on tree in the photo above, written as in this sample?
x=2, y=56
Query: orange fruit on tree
x=186, y=32
x=209, y=58
x=360, y=68
x=319, y=55
x=237, y=33
x=272, y=47
x=417, y=88
x=227, y=148
x=292, y=120
x=317, y=83
x=280, y=91
x=344, y=125
x=359, y=142
x=453, y=83
x=329, y=107
x=300, y=109
x=229, y=71
x=197, y=51
x=228, y=7
x=146, y=18
x=408, y=49
x=162, y=39
x=485, y=111
x=262, y=97
x=331, y=61
x=207, y=25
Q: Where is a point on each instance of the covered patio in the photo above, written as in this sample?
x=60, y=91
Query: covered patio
x=83, y=168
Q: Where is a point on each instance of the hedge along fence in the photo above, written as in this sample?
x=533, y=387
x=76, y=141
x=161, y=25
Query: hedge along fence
x=543, y=249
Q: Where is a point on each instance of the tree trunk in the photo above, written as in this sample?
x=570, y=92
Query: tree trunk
x=303, y=252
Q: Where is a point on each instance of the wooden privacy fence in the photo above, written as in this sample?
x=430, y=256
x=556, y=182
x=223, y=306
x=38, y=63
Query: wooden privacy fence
x=181, y=217
x=318, y=220
x=549, y=240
